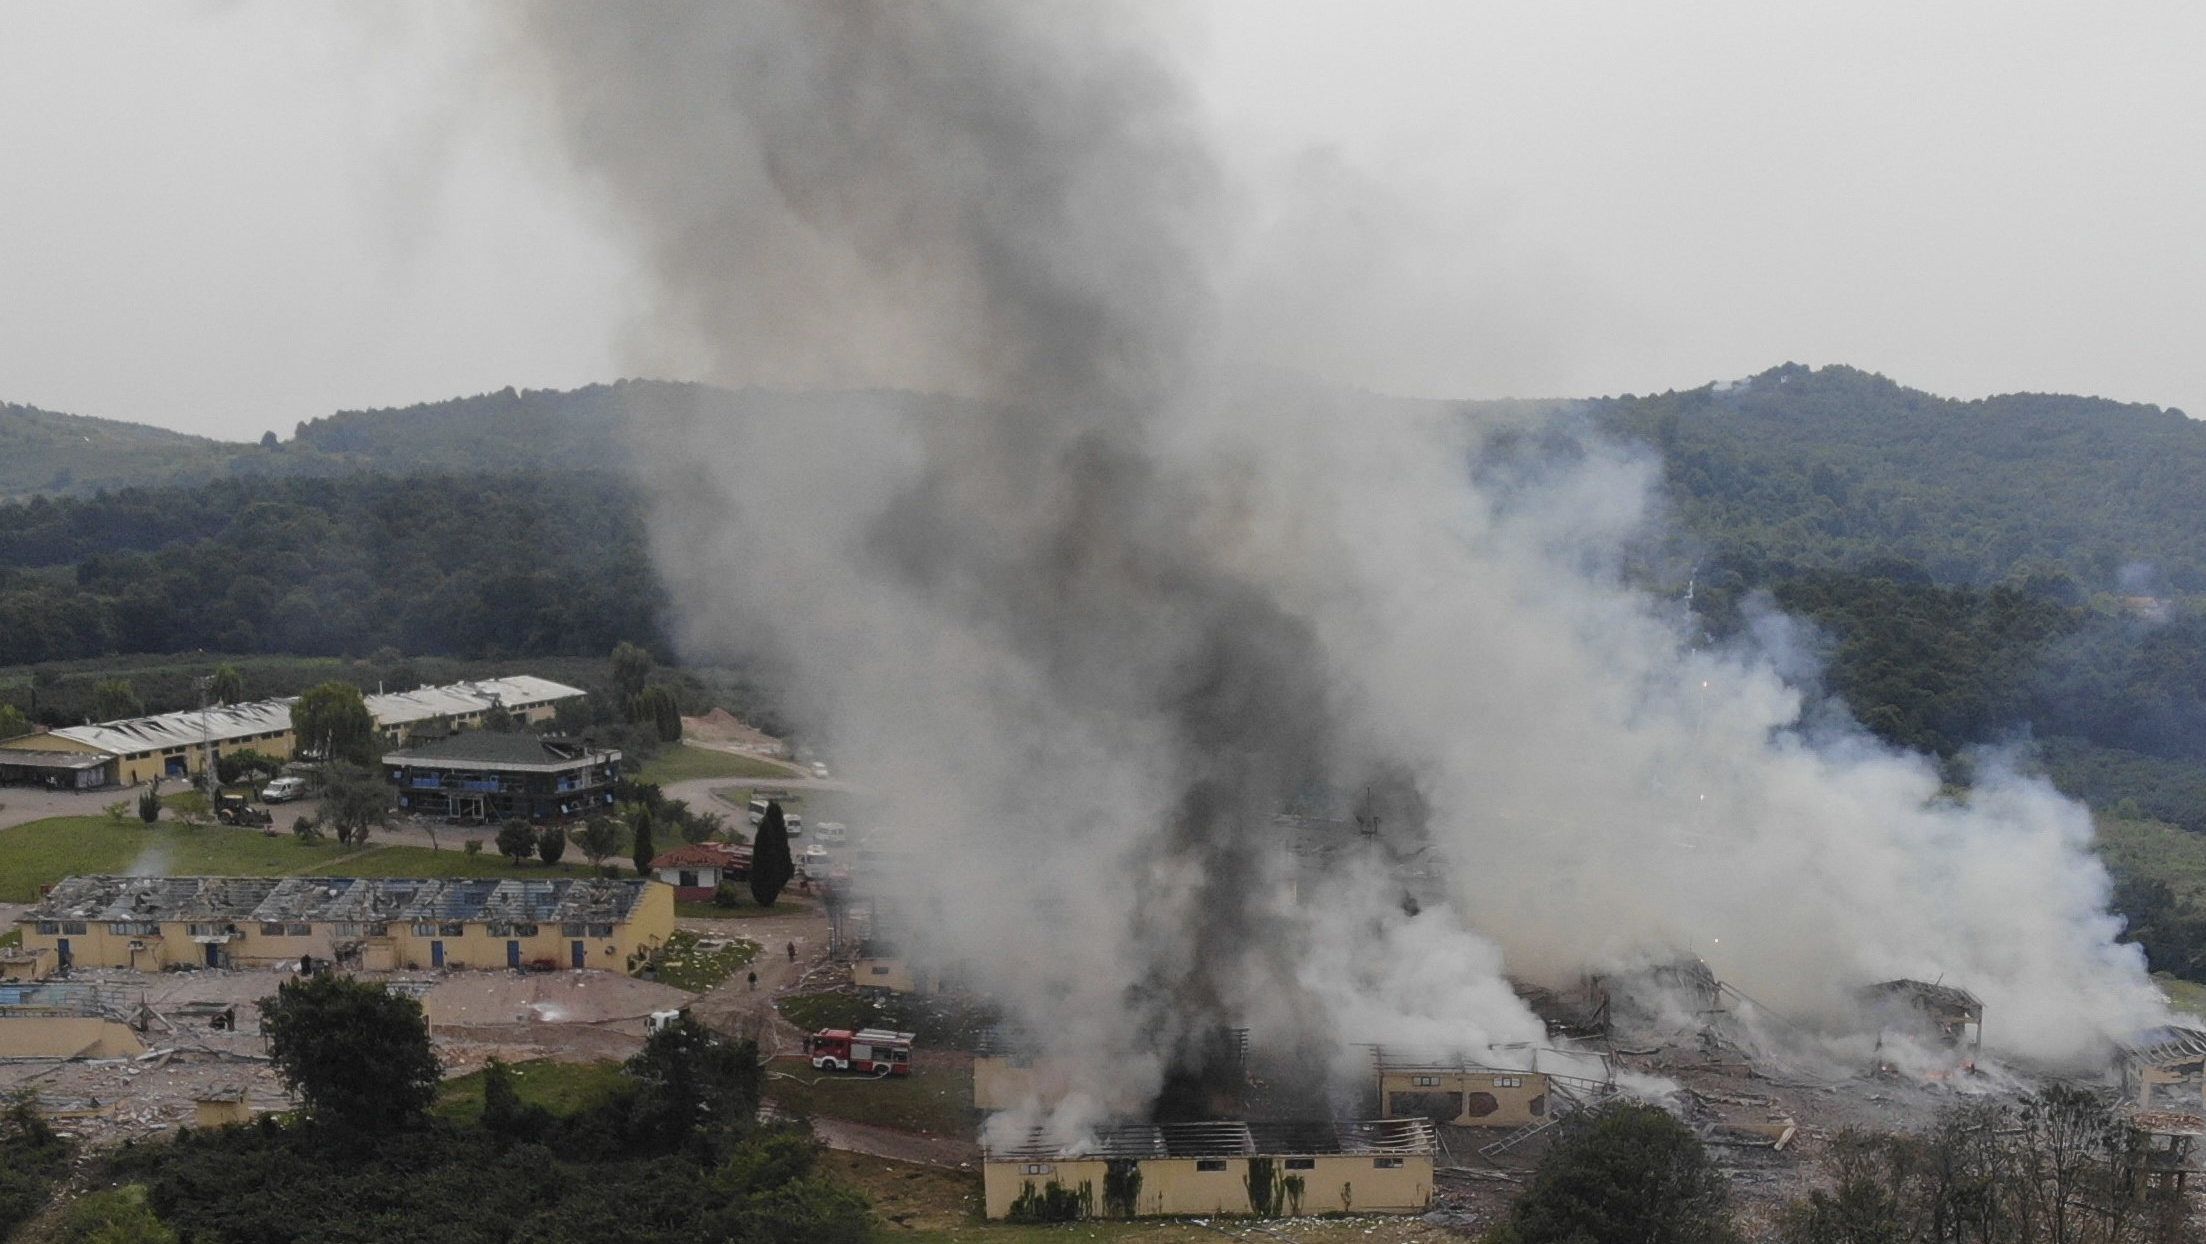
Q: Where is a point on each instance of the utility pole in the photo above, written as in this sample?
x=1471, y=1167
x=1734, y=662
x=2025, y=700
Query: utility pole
x=206, y=744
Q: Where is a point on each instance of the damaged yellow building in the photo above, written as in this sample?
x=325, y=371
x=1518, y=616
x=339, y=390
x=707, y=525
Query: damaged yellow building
x=377, y=924
x=1205, y=1169
x=62, y=1019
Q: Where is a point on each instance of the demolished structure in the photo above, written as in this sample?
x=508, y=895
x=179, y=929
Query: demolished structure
x=65, y=1020
x=2164, y=1069
x=1927, y=1013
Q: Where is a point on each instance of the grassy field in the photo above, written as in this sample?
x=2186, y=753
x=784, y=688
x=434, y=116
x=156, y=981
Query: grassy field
x=788, y=905
x=934, y=1099
x=943, y=1023
x=684, y=965
x=46, y=851
x=2157, y=850
x=562, y=1088
x=683, y=763
x=43, y=852
x=401, y=861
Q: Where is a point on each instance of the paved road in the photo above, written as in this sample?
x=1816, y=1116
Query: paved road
x=22, y=804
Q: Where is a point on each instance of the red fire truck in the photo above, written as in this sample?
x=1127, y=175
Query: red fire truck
x=871, y=1051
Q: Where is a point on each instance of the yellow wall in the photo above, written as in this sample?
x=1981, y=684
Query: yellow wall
x=67, y=1036
x=894, y=975
x=1175, y=1186
x=220, y=1113
x=649, y=924
x=47, y=743
x=25, y=965
x=1515, y=1104
x=1002, y=1084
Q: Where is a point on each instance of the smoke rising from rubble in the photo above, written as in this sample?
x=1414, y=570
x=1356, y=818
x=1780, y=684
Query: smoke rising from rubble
x=1092, y=626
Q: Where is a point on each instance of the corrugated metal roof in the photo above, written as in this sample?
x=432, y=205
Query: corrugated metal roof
x=399, y=708
x=189, y=728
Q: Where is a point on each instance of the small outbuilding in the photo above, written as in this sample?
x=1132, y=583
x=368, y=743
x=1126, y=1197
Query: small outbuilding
x=697, y=870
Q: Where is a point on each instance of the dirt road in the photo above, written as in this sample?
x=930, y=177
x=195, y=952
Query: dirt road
x=736, y=1007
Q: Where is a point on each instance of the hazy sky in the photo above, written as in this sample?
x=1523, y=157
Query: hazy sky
x=229, y=218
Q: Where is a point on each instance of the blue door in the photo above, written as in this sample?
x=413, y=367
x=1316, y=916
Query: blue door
x=214, y=955
x=436, y=954
x=513, y=954
x=581, y=958
x=61, y=950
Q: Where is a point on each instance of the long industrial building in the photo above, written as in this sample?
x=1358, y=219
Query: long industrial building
x=377, y=924
x=177, y=745
x=1204, y=1169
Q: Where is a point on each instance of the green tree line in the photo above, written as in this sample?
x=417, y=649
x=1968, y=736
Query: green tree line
x=464, y=566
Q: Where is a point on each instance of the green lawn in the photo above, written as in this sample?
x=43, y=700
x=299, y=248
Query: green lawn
x=930, y=1099
x=789, y=904
x=403, y=861
x=943, y=1022
x=2186, y=995
x=562, y=1088
x=684, y=965
x=682, y=763
x=45, y=851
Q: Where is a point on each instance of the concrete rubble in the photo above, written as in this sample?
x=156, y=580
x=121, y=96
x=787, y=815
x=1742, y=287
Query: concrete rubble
x=202, y=1030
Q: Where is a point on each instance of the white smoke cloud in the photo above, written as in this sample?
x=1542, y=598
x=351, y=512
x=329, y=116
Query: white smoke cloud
x=1088, y=632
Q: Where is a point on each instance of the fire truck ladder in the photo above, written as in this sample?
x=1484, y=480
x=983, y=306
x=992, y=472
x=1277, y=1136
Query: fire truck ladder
x=1567, y=1095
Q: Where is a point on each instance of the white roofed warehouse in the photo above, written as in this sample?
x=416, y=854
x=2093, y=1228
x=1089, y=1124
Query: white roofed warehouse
x=176, y=745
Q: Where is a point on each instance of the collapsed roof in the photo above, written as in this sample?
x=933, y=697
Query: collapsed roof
x=2167, y=1045
x=1929, y=996
x=343, y=899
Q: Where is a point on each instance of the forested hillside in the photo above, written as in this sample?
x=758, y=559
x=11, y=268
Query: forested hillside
x=443, y=565
x=1834, y=468
x=42, y=451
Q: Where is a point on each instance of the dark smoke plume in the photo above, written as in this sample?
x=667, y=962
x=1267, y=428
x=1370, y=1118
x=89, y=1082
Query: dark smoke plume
x=1099, y=611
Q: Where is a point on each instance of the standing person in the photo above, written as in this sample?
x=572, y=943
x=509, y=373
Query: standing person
x=792, y=952
x=754, y=982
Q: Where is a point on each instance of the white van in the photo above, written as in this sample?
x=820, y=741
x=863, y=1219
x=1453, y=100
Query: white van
x=792, y=823
x=283, y=789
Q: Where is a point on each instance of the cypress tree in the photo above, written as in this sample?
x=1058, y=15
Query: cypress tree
x=644, y=851
x=771, y=865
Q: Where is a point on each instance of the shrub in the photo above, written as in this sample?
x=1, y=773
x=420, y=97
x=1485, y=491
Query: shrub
x=727, y=895
x=149, y=802
x=1624, y=1172
x=474, y=846
x=551, y=844
x=517, y=840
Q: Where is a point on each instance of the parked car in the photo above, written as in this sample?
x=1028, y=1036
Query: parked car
x=819, y=769
x=283, y=790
